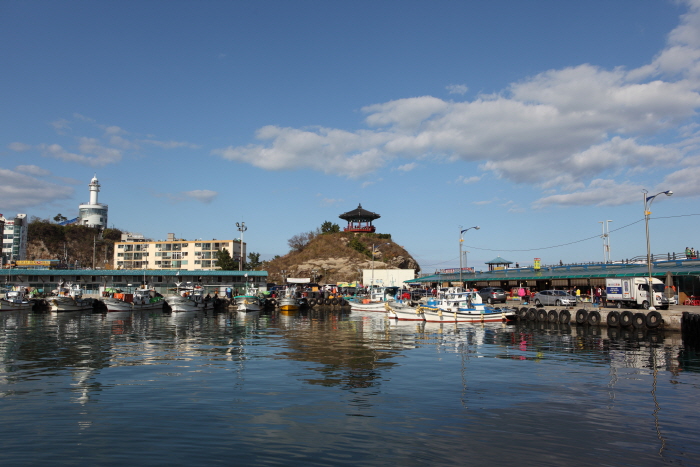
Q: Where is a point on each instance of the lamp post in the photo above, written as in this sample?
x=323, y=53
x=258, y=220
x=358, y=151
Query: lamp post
x=241, y=228
x=314, y=271
x=284, y=276
x=461, y=240
x=606, y=240
x=647, y=205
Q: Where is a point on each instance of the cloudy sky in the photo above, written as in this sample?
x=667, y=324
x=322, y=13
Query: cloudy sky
x=533, y=120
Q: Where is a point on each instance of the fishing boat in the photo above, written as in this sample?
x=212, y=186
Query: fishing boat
x=15, y=300
x=139, y=300
x=249, y=301
x=70, y=298
x=188, y=298
x=455, y=305
x=289, y=300
x=399, y=309
x=374, y=300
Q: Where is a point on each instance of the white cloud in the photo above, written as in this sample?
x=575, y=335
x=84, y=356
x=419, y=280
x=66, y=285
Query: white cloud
x=204, y=196
x=32, y=170
x=467, y=180
x=407, y=167
x=19, y=147
x=19, y=191
x=331, y=201
x=457, y=89
x=575, y=129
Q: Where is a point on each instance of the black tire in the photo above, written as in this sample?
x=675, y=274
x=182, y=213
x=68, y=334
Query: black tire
x=653, y=319
x=334, y=301
x=619, y=305
x=564, y=317
x=581, y=316
x=645, y=305
x=531, y=314
x=537, y=302
x=594, y=318
x=489, y=301
x=557, y=303
x=522, y=313
x=639, y=320
x=553, y=316
x=613, y=319
x=626, y=318
x=541, y=315
x=311, y=302
x=327, y=301
x=272, y=302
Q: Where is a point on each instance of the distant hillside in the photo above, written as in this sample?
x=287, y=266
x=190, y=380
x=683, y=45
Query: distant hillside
x=48, y=240
x=337, y=257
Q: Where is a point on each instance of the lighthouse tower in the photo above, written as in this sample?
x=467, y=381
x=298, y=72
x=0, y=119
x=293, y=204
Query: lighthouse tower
x=93, y=214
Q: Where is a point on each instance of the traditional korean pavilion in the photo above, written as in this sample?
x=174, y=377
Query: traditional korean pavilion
x=359, y=220
x=498, y=263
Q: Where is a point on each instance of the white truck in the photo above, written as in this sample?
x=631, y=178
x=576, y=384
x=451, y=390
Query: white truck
x=634, y=292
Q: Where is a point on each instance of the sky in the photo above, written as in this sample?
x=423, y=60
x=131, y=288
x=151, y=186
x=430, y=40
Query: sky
x=535, y=121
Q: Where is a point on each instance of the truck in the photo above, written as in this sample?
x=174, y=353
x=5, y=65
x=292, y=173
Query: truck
x=633, y=292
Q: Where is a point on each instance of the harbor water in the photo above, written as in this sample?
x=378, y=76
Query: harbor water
x=326, y=387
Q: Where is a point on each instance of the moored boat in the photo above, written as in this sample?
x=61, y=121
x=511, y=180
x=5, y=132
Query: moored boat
x=188, y=299
x=404, y=312
x=249, y=301
x=15, y=300
x=375, y=300
x=139, y=300
x=70, y=298
x=289, y=300
x=457, y=306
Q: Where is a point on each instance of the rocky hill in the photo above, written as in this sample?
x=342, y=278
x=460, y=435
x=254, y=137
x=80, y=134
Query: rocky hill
x=72, y=244
x=338, y=256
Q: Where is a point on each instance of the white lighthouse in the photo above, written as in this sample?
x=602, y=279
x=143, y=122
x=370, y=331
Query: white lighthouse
x=93, y=214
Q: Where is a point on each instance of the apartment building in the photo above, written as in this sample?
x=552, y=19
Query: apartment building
x=136, y=252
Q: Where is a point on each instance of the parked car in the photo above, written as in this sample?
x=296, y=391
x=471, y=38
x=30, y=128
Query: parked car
x=554, y=297
x=492, y=295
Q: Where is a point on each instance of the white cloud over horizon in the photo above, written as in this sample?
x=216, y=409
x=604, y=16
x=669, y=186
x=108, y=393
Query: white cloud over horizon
x=577, y=130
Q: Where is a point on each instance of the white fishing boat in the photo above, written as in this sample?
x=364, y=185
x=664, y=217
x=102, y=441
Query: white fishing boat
x=139, y=300
x=188, y=298
x=70, y=298
x=455, y=305
x=147, y=300
x=401, y=310
x=15, y=300
x=374, y=300
x=249, y=301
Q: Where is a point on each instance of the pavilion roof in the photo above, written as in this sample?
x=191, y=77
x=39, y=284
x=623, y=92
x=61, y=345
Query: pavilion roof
x=499, y=260
x=359, y=214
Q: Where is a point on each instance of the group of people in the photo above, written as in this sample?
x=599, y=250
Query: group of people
x=691, y=253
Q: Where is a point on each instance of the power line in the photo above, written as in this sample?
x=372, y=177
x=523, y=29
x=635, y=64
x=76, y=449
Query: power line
x=562, y=244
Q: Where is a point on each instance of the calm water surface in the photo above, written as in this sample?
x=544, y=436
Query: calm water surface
x=332, y=388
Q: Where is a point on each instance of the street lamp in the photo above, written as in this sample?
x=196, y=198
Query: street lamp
x=647, y=205
x=461, y=240
x=606, y=241
x=241, y=228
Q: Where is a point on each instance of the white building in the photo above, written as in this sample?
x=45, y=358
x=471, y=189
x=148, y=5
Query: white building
x=14, y=238
x=387, y=277
x=93, y=214
x=136, y=252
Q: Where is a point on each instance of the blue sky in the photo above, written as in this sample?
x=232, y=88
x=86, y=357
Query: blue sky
x=534, y=120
